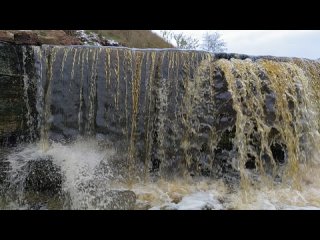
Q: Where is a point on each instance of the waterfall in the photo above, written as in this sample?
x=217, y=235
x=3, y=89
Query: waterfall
x=177, y=111
x=168, y=114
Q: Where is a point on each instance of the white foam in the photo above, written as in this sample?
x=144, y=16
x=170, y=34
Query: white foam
x=81, y=164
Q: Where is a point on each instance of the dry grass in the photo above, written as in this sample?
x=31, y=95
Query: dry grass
x=135, y=38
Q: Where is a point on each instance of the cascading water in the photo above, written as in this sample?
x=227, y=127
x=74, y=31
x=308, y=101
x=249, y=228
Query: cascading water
x=179, y=129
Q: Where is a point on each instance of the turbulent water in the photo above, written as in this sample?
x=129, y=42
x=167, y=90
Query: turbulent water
x=88, y=171
x=180, y=129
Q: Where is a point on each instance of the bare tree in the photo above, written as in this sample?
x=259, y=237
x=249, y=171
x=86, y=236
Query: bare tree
x=180, y=40
x=212, y=42
x=166, y=35
x=185, y=42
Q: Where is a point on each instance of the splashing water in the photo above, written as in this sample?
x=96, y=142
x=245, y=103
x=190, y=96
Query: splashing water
x=84, y=166
x=88, y=174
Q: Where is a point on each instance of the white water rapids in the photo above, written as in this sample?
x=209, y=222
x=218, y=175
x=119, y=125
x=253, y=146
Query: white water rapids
x=87, y=172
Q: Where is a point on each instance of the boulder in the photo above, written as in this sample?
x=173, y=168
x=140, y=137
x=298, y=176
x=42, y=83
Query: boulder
x=43, y=177
x=36, y=201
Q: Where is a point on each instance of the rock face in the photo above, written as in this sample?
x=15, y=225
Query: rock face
x=17, y=93
x=26, y=38
x=184, y=112
x=37, y=37
x=54, y=37
x=166, y=111
x=58, y=37
x=11, y=97
x=6, y=36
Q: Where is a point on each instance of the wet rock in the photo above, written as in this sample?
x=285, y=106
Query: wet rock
x=36, y=201
x=224, y=112
x=176, y=198
x=4, y=166
x=13, y=108
x=115, y=200
x=269, y=108
x=43, y=177
x=279, y=153
x=26, y=38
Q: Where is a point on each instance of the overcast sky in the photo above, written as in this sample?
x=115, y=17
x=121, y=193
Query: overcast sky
x=289, y=43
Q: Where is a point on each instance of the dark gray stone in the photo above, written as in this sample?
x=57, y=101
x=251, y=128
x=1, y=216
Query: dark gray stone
x=16, y=68
x=43, y=177
x=4, y=167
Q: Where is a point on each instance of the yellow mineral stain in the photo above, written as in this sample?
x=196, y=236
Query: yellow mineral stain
x=135, y=108
x=148, y=140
